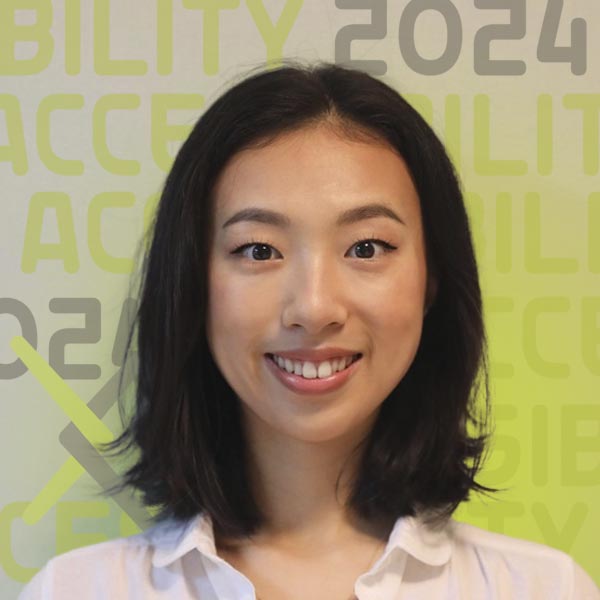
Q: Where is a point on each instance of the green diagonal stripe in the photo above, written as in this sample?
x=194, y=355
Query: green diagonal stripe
x=53, y=491
x=91, y=427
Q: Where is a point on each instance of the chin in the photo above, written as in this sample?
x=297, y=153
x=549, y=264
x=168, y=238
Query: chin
x=321, y=430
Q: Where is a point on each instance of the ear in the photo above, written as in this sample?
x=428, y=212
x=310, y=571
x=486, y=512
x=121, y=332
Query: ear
x=430, y=292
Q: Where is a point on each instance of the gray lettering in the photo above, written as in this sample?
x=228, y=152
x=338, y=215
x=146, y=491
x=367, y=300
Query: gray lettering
x=513, y=30
x=21, y=312
x=408, y=47
x=88, y=334
x=375, y=30
x=548, y=51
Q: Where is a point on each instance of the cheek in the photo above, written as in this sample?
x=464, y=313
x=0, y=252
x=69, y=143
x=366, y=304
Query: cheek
x=397, y=319
x=222, y=309
x=236, y=312
x=219, y=315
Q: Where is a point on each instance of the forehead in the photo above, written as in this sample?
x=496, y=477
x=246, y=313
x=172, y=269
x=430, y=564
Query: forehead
x=315, y=168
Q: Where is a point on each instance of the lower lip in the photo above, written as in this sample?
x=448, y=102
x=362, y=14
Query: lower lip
x=299, y=384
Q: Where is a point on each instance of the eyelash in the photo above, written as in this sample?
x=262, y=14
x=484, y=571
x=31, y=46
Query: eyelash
x=387, y=246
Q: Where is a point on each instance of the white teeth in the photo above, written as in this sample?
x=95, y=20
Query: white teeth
x=325, y=369
x=311, y=370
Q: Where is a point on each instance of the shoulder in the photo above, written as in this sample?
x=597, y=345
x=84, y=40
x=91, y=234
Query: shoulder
x=503, y=547
x=111, y=565
x=526, y=566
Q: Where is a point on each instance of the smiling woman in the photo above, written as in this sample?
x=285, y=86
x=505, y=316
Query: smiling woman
x=312, y=394
x=318, y=278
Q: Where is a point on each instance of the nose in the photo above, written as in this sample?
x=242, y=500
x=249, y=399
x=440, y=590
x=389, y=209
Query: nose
x=314, y=296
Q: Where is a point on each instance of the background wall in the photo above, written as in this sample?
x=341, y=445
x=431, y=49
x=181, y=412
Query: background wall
x=95, y=98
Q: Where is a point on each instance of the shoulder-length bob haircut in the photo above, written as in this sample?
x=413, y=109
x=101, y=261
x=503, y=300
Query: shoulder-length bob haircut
x=429, y=439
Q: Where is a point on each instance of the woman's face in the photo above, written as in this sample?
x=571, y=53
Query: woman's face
x=311, y=279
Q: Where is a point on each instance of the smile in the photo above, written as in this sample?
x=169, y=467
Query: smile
x=313, y=370
x=307, y=377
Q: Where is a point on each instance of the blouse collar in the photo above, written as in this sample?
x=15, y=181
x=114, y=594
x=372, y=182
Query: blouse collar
x=173, y=539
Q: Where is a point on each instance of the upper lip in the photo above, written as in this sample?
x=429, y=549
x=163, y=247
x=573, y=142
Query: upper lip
x=315, y=354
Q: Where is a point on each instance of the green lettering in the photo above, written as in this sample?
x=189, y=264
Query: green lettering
x=12, y=568
x=106, y=104
x=495, y=517
x=48, y=105
x=590, y=333
x=533, y=310
x=484, y=164
x=163, y=132
x=33, y=247
x=534, y=261
x=539, y=445
x=210, y=29
x=67, y=512
x=164, y=37
x=593, y=226
x=11, y=34
x=72, y=37
x=15, y=152
x=103, y=63
x=101, y=257
x=577, y=446
x=574, y=522
x=589, y=104
x=274, y=36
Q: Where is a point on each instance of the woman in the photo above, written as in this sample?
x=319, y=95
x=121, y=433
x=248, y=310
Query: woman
x=311, y=345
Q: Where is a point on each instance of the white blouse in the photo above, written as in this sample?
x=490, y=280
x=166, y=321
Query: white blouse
x=178, y=560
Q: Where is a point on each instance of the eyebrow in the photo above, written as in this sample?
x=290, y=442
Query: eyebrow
x=352, y=215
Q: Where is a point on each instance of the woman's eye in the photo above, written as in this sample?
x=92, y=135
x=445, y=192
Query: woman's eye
x=259, y=251
x=365, y=247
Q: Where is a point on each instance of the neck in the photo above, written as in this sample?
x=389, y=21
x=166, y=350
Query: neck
x=302, y=487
